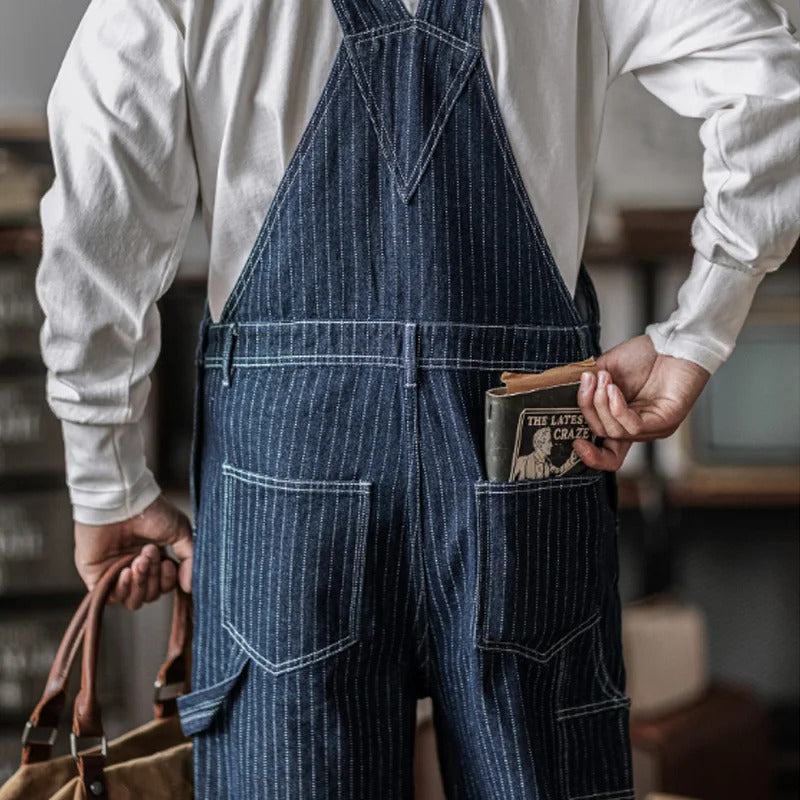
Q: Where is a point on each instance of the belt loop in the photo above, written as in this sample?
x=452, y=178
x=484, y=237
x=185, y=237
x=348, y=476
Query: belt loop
x=410, y=353
x=227, y=354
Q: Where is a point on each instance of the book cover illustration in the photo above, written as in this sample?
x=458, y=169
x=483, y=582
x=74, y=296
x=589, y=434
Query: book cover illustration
x=531, y=423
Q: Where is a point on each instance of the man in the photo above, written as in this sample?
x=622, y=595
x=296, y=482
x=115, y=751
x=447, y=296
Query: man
x=396, y=198
x=537, y=463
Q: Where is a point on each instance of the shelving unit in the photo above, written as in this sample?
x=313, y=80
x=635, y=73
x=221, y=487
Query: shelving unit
x=39, y=586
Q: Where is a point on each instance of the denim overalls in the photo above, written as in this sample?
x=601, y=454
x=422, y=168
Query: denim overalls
x=350, y=556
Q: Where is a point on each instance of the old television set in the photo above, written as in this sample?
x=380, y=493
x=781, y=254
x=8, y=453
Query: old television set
x=747, y=420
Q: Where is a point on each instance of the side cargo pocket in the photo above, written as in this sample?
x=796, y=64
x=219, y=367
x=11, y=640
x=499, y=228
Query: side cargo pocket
x=592, y=720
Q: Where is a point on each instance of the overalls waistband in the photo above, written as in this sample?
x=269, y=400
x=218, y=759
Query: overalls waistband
x=428, y=345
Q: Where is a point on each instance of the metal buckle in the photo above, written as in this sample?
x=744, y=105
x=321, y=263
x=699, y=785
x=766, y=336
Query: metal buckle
x=99, y=740
x=31, y=731
x=168, y=691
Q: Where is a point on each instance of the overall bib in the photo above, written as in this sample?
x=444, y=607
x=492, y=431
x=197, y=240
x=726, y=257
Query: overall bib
x=350, y=555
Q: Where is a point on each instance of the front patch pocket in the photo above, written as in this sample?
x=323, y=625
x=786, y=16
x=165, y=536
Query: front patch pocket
x=543, y=547
x=293, y=566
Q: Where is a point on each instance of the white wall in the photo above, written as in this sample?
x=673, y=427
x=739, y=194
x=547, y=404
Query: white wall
x=34, y=35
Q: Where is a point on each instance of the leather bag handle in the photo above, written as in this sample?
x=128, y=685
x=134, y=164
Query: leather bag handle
x=41, y=728
x=87, y=720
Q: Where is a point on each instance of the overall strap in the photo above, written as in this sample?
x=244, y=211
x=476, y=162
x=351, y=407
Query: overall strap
x=360, y=16
x=460, y=18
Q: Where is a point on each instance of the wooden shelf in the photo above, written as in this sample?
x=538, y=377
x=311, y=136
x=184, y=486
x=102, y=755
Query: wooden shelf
x=737, y=487
x=647, y=234
x=652, y=235
x=719, y=487
x=21, y=242
x=24, y=129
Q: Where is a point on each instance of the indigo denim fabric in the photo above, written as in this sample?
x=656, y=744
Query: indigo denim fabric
x=350, y=554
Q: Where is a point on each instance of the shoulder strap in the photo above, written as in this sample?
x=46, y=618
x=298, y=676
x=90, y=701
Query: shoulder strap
x=459, y=18
x=360, y=16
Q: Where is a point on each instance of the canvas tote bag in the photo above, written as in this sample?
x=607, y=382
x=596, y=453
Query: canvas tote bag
x=153, y=761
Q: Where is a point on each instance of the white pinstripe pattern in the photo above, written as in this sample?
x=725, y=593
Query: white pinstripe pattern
x=350, y=555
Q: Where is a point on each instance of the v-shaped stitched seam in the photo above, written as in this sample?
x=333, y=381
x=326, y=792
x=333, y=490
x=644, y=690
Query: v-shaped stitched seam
x=407, y=183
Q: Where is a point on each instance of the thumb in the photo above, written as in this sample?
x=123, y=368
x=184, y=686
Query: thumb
x=165, y=524
x=183, y=547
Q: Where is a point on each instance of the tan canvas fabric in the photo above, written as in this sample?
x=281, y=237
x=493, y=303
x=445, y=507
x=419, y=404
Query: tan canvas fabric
x=164, y=776
x=156, y=756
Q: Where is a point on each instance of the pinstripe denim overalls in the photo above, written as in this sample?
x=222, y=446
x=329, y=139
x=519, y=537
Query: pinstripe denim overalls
x=350, y=554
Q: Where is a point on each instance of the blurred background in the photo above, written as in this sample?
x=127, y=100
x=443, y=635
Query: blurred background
x=710, y=522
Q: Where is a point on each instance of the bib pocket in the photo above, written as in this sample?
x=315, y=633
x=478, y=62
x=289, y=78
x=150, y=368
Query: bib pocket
x=543, y=549
x=293, y=566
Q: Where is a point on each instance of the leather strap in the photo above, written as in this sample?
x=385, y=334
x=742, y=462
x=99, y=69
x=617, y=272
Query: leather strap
x=173, y=677
x=47, y=713
x=84, y=627
x=90, y=769
x=87, y=718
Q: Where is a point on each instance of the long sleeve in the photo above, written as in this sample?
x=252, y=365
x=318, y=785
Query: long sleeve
x=736, y=65
x=114, y=222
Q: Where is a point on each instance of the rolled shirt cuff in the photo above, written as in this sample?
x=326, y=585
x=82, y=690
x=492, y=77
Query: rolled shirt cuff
x=107, y=476
x=713, y=304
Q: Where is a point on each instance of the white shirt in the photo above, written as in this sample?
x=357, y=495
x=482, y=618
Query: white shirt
x=157, y=100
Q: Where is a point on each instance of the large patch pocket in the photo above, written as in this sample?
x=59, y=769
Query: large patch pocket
x=293, y=566
x=542, y=551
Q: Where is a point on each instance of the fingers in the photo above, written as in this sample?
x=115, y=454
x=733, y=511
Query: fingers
x=167, y=525
x=122, y=587
x=606, y=410
x=608, y=457
x=599, y=400
x=185, y=574
x=151, y=573
x=169, y=575
x=612, y=427
x=586, y=393
x=162, y=524
x=626, y=418
x=142, y=581
x=183, y=547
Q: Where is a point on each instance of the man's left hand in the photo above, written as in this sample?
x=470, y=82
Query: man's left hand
x=637, y=395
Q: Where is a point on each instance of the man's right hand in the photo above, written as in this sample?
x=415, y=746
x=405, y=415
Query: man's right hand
x=150, y=575
x=637, y=396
